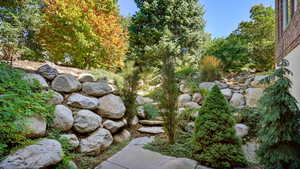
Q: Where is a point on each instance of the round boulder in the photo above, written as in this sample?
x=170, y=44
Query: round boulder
x=238, y=100
x=63, y=118
x=96, y=88
x=113, y=126
x=45, y=153
x=31, y=78
x=184, y=98
x=36, y=126
x=241, y=130
x=80, y=101
x=66, y=83
x=86, y=77
x=86, y=121
x=57, y=98
x=122, y=136
x=111, y=106
x=47, y=71
x=98, y=141
x=197, y=97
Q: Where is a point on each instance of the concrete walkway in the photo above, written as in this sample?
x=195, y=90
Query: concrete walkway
x=133, y=156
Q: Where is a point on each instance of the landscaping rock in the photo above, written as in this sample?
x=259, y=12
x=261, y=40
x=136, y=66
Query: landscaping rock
x=253, y=95
x=184, y=89
x=151, y=130
x=66, y=83
x=63, y=118
x=80, y=101
x=96, y=89
x=249, y=150
x=141, y=112
x=256, y=82
x=31, y=77
x=40, y=155
x=47, y=71
x=227, y=93
x=221, y=85
x=57, y=98
x=151, y=122
x=207, y=85
x=134, y=121
x=238, y=100
x=86, y=121
x=86, y=77
x=184, y=98
x=72, y=139
x=113, y=126
x=122, y=136
x=98, y=141
x=191, y=105
x=143, y=100
x=111, y=106
x=197, y=97
x=36, y=126
x=241, y=130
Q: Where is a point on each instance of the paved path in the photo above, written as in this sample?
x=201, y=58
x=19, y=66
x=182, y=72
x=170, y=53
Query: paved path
x=133, y=156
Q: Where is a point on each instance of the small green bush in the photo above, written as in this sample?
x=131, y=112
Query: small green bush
x=18, y=101
x=214, y=142
x=151, y=110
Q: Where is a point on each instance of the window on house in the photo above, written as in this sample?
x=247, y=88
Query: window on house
x=296, y=3
x=287, y=6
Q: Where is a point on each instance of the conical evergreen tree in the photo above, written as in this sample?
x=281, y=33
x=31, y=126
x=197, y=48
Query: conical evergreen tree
x=215, y=143
x=280, y=131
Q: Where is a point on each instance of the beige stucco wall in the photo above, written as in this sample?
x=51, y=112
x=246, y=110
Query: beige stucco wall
x=294, y=58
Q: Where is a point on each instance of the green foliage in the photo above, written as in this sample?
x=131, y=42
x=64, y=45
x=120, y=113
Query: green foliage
x=279, y=136
x=101, y=73
x=19, y=100
x=20, y=22
x=184, y=19
x=185, y=116
x=232, y=51
x=151, y=110
x=129, y=89
x=260, y=35
x=214, y=142
x=181, y=148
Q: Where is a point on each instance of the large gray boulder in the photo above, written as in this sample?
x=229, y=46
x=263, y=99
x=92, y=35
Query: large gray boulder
x=111, y=106
x=113, y=126
x=98, y=141
x=122, y=136
x=57, y=98
x=86, y=77
x=238, y=100
x=184, y=98
x=72, y=139
x=31, y=78
x=35, y=126
x=86, y=121
x=227, y=93
x=207, y=85
x=253, y=95
x=66, y=83
x=96, y=89
x=40, y=155
x=63, y=118
x=84, y=102
x=47, y=71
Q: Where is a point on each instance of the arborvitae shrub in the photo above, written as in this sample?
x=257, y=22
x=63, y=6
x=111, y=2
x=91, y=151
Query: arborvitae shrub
x=280, y=134
x=215, y=143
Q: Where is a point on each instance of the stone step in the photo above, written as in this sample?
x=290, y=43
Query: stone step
x=151, y=130
x=151, y=122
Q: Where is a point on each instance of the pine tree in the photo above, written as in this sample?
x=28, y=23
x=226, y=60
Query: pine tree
x=215, y=143
x=280, y=132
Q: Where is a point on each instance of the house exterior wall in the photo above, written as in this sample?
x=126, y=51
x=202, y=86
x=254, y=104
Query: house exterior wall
x=288, y=44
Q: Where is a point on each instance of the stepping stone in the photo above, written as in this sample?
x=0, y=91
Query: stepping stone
x=152, y=122
x=151, y=130
x=134, y=156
